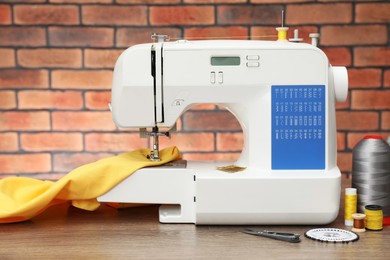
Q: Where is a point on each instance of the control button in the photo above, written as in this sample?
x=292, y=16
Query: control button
x=253, y=57
x=220, y=77
x=253, y=64
x=212, y=77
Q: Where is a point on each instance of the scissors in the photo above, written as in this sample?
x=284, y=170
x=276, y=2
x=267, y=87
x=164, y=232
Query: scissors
x=288, y=237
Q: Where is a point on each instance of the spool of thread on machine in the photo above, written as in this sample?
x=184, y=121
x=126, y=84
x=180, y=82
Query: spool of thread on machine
x=374, y=217
x=350, y=205
x=282, y=33
x=359, y=224
x=371, y=174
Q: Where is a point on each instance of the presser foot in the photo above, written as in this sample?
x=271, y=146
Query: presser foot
x=155, y=133
x=152, y=157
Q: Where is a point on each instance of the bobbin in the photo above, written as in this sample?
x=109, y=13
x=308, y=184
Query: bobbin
x=359, y=224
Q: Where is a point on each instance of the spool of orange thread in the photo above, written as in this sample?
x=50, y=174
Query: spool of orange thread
x=359, y=224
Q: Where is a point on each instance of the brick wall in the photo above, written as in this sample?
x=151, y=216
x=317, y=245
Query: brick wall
x=56, y=60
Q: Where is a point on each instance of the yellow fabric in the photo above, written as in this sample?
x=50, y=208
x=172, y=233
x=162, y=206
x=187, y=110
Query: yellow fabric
x=22, y=198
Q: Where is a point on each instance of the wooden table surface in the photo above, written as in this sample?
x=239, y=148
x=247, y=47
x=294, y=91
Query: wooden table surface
x=63, y=232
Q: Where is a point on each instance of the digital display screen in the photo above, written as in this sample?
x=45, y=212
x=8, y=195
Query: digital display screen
x=225, y=61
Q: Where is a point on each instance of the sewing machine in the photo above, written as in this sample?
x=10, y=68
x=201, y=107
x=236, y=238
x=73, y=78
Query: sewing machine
x=282, y=93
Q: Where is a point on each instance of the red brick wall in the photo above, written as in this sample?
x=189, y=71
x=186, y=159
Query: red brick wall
x=56, y=60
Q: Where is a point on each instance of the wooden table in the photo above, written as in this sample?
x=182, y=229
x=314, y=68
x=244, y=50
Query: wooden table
x=64, y=232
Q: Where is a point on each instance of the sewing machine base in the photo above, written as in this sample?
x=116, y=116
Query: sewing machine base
x=201, y=194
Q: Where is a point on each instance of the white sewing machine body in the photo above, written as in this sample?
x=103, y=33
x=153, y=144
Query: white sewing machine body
x=283, y=95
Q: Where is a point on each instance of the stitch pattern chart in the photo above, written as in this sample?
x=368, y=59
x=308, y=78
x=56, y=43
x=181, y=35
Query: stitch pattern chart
x=298, y=127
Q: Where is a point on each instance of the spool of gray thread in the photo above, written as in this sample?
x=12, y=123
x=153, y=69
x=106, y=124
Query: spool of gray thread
x=371, y=173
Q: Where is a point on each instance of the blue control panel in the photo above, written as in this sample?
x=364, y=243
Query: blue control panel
x=298, y=127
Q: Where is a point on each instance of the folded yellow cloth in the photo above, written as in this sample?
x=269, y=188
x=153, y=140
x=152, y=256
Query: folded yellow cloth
x=22, y=198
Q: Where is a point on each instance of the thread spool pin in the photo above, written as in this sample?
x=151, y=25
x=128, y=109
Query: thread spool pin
x=314, y=38
x=282, y=31
x=296, y=37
